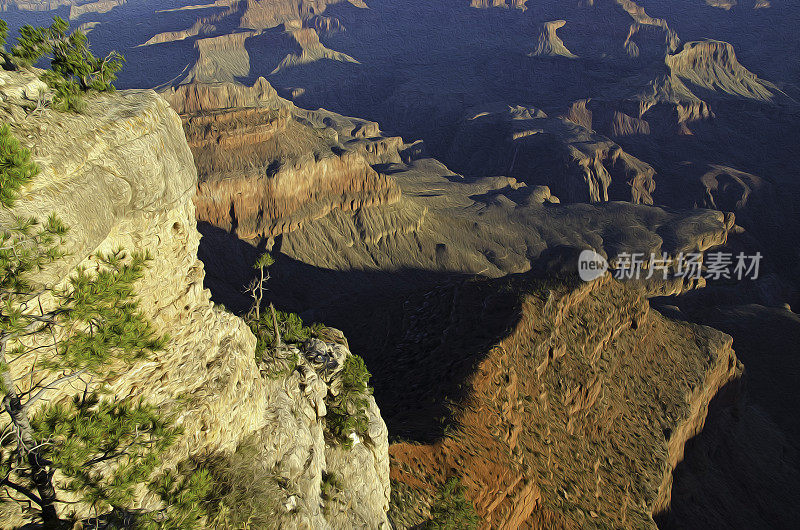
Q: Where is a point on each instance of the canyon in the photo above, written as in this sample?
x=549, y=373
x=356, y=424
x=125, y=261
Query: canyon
x=425, y=176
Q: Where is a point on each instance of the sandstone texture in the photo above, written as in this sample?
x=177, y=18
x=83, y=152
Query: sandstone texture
x=122, y=176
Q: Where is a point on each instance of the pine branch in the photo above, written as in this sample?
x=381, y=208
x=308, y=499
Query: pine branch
x=53, y=385
x=22, y=490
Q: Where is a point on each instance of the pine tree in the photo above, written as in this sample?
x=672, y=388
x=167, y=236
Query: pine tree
x=102, y=448
x=74, y=70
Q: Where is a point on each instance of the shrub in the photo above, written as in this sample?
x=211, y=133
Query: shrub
x=67, y=97
x=347, y=412
x=330, y=488
x=330, y=485
x=292, y=331
x=16, y=168
x=452, y=510
x=290, y=328
x=33, y=43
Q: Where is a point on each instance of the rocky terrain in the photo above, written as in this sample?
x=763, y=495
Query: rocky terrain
x=77, y=8
x=556, y=425
x=333, y=193
x=123, y=177
x=424, y=174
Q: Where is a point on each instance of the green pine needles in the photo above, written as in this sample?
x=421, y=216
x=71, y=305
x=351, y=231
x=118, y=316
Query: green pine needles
x=185, y=495
x=91, y=432
x=95, y=449
x=347, y=412
x=274, y=328
x=74, y=69
x=16, y=168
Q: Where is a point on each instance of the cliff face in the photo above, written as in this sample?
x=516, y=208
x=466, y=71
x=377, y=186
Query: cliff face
x=122, y=176
x=549, y=44
x=266, y=166
x=330, y=195
x=712, y=66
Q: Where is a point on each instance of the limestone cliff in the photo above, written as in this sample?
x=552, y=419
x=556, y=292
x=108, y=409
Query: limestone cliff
x=121, y=175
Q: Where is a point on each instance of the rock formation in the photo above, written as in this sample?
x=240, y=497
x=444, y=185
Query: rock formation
x=220, y=58
x=121, y=175
x=552, y=421
x=722, y=4
x=333, y=193
x=549, y=44
x=428, y=250
x=650, y=41
x=172, y=36
x=262, y=14
x=712, y=65
x=311, y=50
x=485, y=4
x=579, y=165
x=101, y=6
x=36, y=5
x=267, y=167
x=195, y=98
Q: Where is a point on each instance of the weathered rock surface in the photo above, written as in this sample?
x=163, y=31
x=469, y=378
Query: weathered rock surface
x=36, y=5
x=334, y=194
x=101, y=6
x=575, y=414
x=122, y=175
x=311, y=50
x=261, y=14
x=549, y=44
x=220, y=58
x=267, y=166
x=485, y=4
x=194, y=98
x=712, y=65
x=578, y=164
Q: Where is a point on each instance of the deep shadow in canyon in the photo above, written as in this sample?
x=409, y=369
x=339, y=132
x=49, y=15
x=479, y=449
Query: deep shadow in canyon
x=421, y=333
